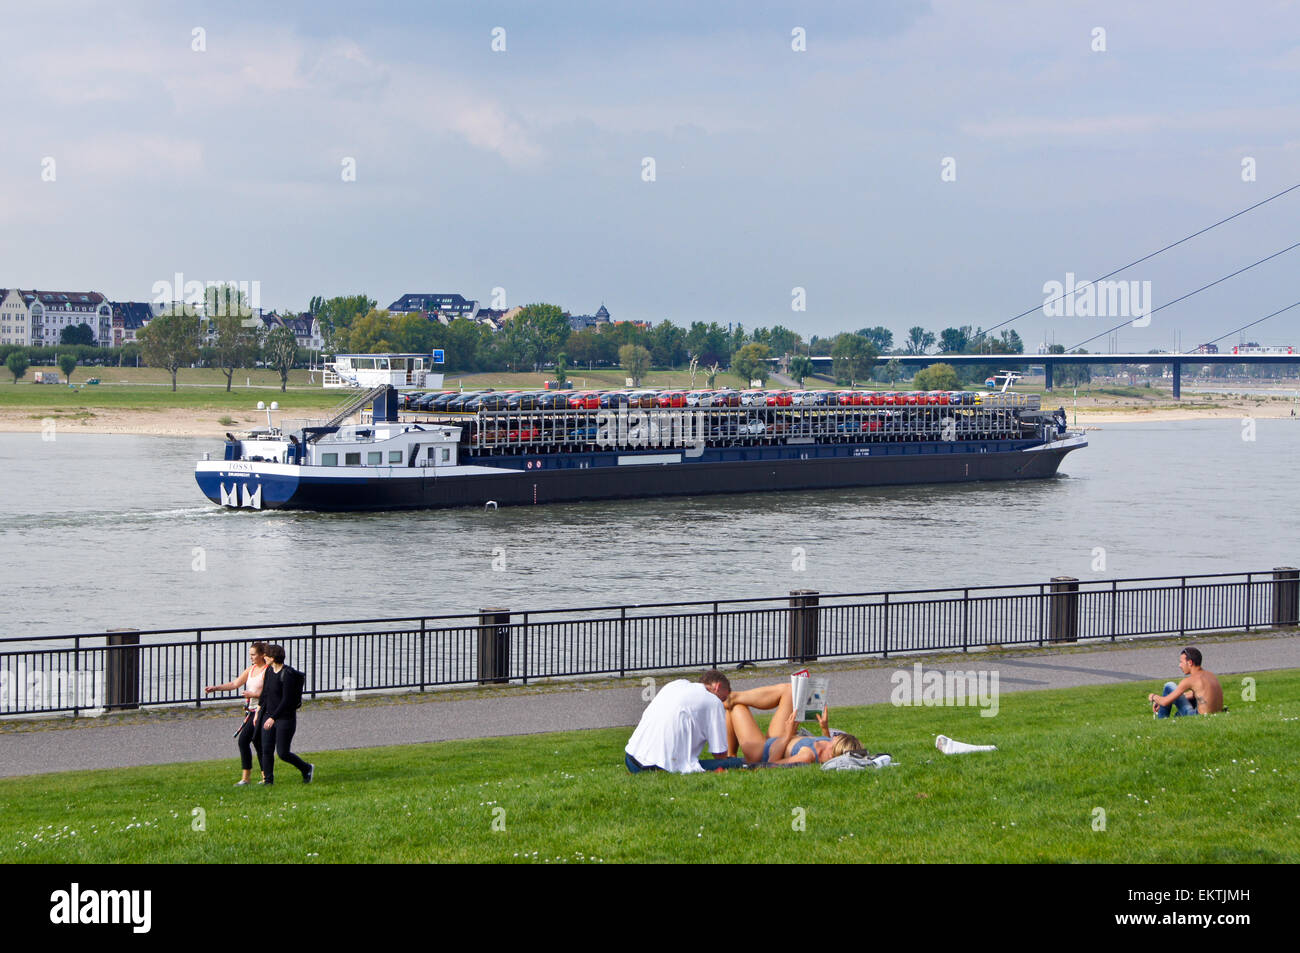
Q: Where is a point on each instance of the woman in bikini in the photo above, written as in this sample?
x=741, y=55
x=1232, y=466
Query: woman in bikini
x=249, y=737
x=781, y=744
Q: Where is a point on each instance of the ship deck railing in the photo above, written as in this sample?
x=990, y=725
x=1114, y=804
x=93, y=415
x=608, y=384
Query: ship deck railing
x=498, y=430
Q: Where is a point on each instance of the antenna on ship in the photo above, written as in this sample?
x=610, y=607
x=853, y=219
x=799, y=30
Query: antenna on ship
x=261, y=405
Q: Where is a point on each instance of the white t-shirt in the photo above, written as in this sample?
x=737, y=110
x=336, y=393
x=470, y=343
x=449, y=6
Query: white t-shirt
x=676, y=725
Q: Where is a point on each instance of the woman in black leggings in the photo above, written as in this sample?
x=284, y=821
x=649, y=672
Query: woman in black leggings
x=249, y=737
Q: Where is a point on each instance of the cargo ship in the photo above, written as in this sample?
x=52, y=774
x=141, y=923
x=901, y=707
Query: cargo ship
x=624, y=446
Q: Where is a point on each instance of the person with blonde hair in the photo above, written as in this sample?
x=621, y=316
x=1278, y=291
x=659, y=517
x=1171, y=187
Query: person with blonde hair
x=782, y=743
x=249, y=736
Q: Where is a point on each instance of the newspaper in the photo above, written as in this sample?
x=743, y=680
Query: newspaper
x=808, y=695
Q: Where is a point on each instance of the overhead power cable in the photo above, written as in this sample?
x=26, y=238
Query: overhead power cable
x=1253, y=323
x=1188, y=238
x=1189, y=294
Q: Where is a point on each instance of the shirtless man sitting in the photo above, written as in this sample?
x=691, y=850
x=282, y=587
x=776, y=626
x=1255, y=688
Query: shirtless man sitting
x=1198, y=693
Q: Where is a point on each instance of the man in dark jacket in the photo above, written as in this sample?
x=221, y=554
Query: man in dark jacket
x=281, y=696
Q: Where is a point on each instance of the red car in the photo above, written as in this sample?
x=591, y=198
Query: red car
x=674, y=398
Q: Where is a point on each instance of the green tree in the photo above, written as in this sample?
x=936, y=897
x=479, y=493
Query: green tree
x=416, y=334
x=936, y=377
x=667, y=344
x=170, y=341
x=750, y=362
x=561, y=369
x=881, y=337
x=377, y=332
x=468, y=345
x=281, y=350
x=77, y=334
x=635, y=360
x=852, y=357
x=68, y=364
x=337, y=314
x=801, y=366
x=235, y=346
x=711, y=375
x=919, y=340
x=226, y=300
x=709, y=341
x=893, y=370
x=954, y=340
x=783, y=341
x=1071, y=375
x=17, y=364
x=537, y=333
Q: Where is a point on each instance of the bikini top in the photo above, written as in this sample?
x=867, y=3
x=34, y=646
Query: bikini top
x=806, y=742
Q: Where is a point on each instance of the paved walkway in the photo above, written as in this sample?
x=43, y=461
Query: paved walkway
x=170, y=736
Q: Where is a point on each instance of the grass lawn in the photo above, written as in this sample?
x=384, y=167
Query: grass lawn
x=1186, y=791
x=145, y=388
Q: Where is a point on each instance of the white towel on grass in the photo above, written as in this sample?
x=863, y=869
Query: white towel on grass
x=948, y=746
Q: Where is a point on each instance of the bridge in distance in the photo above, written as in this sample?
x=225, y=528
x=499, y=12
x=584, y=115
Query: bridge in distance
x=1051, y=361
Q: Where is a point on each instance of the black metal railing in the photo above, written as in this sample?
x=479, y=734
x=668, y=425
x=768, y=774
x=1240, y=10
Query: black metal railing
x=136, y=668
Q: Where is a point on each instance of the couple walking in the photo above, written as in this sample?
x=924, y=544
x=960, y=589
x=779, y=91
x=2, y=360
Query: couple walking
x=273, y=694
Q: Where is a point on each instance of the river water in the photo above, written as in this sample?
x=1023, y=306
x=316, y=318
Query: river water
x=101, y=532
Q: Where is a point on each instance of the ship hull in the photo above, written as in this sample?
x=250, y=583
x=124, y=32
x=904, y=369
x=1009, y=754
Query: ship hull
x=528, y=480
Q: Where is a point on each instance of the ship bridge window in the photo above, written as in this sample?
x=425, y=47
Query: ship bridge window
x=446, y=455
x=329, y=459
x=374, y=458
x=394, y=456
x=352, y=459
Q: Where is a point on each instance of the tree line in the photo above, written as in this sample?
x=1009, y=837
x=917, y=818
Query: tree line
x=539, y=336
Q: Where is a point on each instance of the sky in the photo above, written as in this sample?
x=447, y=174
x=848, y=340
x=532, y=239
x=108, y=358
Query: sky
x=824, y=166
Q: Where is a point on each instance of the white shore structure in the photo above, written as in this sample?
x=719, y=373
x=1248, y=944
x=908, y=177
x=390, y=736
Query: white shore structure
x=403, y=371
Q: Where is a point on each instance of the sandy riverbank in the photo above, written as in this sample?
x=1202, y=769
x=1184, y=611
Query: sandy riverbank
x=153, y=423
x=188, y=423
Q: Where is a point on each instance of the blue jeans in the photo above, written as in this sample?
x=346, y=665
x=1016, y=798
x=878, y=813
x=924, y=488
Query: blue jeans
x=1181, y=704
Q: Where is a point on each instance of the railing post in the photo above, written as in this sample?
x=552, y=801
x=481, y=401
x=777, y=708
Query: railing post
x=1286, y=597
x=1065, y=609
x=1043, y=609
x=622, y=641
x=1182, y=607
x=1250, y=595
x=802, y=631
x=1114, y=608
x=965, y=620
x=313, y=660
x=714, y=663
x=524, y=640
x=122, y=669
x=76, y=676
x=886, y=653
x=423, y=637
x=493, y=655
x=198, y=668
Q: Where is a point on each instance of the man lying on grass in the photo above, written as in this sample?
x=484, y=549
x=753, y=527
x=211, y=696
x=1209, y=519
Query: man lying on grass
x=782, y=745
x=1198, y=693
